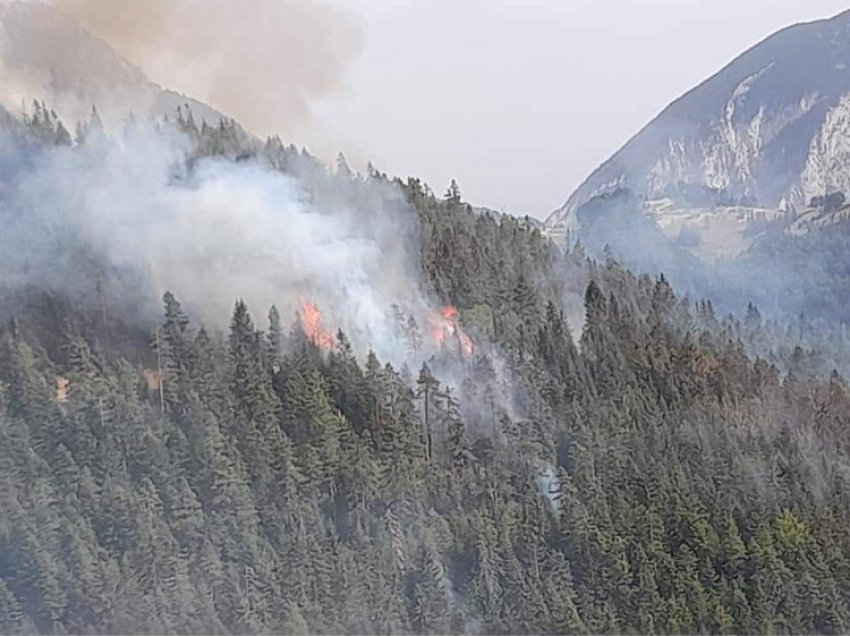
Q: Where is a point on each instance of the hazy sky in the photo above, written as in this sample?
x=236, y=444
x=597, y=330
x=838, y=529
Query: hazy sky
x=521, y=100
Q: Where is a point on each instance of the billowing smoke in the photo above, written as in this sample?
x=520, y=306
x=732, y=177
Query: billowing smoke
x=210, y=231
x=262, y=62
x=113, y=222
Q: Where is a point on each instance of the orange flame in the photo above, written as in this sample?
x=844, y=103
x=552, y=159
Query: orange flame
x=311, y=324
x=445, y=324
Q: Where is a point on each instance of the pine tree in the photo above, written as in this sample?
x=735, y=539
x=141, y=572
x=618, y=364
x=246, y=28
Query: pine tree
x=428, y=392
x=452, y=196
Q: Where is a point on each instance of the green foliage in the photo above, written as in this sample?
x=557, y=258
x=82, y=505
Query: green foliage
x=651, y=477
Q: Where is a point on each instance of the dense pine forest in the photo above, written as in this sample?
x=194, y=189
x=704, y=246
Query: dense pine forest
x=609, y=457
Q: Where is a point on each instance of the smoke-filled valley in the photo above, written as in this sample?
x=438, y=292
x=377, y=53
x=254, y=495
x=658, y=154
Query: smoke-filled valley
x=242, y=391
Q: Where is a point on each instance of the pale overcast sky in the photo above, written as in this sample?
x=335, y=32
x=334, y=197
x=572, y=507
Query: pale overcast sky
x=521, y=100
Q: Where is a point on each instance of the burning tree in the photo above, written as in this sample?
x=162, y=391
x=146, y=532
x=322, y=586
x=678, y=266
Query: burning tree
x=445, y=326
x=312, y=325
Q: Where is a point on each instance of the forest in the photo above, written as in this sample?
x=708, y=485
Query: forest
x=788, y=267
x=586, y=451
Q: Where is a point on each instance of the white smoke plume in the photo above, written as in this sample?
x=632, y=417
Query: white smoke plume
x=113, y=222
x=210, y=234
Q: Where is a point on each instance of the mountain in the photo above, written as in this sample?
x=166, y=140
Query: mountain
x=46, y=55
x=662, y=470
x=476, y=433
x=769, y=130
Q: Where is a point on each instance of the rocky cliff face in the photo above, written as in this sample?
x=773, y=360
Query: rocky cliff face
x=771, y=129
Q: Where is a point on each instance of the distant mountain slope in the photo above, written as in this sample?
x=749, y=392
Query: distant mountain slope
x=772, y=128
x=47, y=55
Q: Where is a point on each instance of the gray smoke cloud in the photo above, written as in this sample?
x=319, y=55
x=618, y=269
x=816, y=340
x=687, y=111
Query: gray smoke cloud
x=113, y=222
x=221, y=230
x=263, y=62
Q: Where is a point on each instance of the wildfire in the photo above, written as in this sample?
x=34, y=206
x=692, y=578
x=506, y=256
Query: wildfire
x=445, y=325
x=311, y=323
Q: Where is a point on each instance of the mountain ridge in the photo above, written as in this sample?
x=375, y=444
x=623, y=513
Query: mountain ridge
x=77, y=70
x=745, y=131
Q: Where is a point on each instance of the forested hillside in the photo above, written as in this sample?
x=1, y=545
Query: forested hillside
x=645, y=471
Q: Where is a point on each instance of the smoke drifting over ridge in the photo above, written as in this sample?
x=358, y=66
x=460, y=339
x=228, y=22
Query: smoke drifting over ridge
x=262, y=62
x=111, y=223
x=129, y=205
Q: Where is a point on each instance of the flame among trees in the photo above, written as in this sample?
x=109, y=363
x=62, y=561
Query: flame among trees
x=313, y=327
x=445, y=326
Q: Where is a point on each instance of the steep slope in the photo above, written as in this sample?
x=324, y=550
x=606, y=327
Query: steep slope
x=46, y=55
x=770, y=128
x=249, y=481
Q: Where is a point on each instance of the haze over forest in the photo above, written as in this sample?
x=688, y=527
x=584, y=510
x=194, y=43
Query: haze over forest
x=257, y=378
